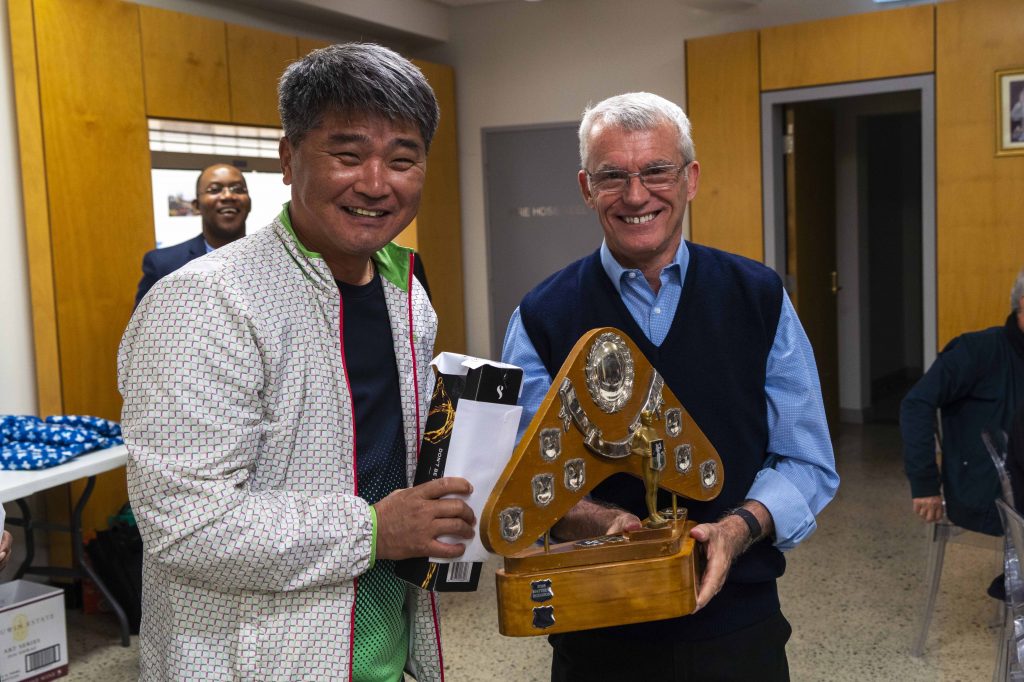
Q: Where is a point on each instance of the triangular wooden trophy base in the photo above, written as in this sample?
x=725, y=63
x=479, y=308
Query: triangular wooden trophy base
x=643, y=575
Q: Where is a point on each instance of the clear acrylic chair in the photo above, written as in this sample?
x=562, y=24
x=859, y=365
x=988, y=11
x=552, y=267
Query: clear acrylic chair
x=1010, y=651
x=1011, y=640
x=939, y=534
x=942, y=531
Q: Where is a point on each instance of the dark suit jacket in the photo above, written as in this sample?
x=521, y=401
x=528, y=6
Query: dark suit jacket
x=160, y=262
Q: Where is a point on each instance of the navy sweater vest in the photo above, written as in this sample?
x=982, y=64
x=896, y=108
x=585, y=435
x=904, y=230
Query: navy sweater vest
x=714, y=359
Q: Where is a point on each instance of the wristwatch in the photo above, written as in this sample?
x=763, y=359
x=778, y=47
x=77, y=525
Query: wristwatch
x=753, y=525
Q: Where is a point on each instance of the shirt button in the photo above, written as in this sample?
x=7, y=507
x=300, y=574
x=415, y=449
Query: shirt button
x=632, y=275
x=657, y=311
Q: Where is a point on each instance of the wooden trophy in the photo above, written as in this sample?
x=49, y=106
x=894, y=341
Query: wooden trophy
x=607, y=411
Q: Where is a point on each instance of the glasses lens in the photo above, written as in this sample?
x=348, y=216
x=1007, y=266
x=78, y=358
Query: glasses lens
x=655, y=177
x=660, y=177
x=232, y=189
x=609, y=181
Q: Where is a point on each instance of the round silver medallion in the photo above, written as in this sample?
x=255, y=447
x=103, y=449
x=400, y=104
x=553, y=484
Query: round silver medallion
x=610, y=372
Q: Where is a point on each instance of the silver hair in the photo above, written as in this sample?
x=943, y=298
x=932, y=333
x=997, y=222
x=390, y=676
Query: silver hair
x=355, y=78
x=636, y=111
x=1017, y=292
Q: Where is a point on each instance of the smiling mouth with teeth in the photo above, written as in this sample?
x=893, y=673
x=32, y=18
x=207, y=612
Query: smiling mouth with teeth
x=364, y=212
x=639, y=219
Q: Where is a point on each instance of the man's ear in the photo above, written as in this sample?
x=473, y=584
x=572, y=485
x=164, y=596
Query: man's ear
x=195, y=206
x=692, y=178
x=284, y=150
x=588, y=198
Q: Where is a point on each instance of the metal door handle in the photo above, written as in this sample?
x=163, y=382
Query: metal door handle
x=835, y=283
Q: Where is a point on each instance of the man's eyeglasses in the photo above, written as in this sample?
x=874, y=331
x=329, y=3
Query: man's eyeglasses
x=652, y=177
x=236, y=188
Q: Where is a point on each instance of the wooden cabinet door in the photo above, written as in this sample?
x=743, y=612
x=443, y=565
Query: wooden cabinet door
x=256, y=60
x=438, y=227
x=724, y=104
x=898, y=42
x=185, y=66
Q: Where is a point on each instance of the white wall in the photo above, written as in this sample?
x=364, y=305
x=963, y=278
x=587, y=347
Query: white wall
x=521, y=63
x=17, y=361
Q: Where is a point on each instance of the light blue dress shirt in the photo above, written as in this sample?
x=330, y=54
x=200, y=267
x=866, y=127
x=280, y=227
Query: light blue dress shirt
x=799, y=477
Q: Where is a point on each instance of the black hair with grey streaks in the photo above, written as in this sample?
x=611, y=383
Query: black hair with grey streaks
x=355, y=79
x=1017, y=292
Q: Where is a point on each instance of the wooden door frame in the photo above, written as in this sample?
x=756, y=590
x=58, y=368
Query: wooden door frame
x=773, y=174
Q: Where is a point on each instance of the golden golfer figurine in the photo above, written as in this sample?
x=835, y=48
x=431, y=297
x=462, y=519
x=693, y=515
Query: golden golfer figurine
x=651, y=450
x=608, y=411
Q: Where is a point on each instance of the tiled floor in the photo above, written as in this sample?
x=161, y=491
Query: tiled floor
x=852, y=593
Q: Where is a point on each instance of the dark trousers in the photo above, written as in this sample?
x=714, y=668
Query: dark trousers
x=757, y=652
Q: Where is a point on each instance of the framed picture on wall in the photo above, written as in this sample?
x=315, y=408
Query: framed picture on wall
x=1010, y=111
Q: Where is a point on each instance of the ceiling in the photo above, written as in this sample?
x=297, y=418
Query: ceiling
x=709, y=5
x=465, y=3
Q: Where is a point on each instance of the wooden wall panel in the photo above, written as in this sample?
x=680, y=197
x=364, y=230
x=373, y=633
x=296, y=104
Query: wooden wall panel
x=724, y=106
x=980, y=200
x=256, y=60
x=884, y=44
x=36, y=208
x=98, y=177
x=185, y=66
x=439, y=221
x=307, y=45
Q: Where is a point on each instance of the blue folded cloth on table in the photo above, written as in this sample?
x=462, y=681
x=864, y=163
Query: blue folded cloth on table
x=28, y=442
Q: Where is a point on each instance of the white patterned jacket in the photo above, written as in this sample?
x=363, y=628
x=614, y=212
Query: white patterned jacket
x=238, y=421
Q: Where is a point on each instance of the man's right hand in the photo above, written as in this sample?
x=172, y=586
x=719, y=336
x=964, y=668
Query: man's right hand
x=588, y=519
x=410, y=520
x=929, y=508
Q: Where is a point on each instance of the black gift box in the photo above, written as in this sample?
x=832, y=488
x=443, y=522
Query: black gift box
x=485, y=383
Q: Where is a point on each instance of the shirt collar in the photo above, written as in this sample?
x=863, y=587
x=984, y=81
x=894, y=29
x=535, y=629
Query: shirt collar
x=616, y=272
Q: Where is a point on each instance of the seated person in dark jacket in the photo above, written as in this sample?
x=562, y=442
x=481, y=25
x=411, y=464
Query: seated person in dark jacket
x=222, y=199
x=977, y=383
x=1015, y=457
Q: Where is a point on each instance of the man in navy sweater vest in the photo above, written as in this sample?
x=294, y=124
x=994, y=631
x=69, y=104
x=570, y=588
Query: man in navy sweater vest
x=722, y=332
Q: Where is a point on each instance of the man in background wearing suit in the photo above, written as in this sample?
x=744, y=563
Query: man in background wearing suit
x=222, y=199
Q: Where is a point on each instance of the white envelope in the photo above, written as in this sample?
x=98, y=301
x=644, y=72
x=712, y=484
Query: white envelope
x=483, y=437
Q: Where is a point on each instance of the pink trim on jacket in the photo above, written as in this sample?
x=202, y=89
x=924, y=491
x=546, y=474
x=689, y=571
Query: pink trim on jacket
x=355, y=478
x=416, y=388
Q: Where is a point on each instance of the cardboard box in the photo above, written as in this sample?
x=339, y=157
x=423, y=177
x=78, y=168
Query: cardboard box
x=481, y=381
x=33, y=634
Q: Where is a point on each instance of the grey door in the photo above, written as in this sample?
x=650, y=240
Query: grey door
x=536, y=219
